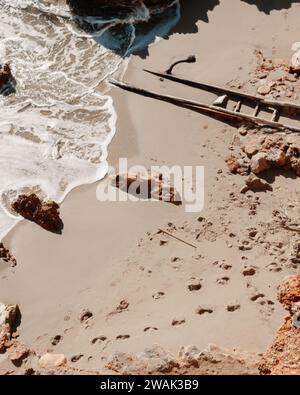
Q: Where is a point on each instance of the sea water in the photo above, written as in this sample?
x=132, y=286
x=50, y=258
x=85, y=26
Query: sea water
x=55, y=129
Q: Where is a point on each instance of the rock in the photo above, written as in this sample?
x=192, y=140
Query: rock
x=189, y=360
x=158, y=360
x=296, y=320
x=259, y=163
x=148, y=187
x=277, y=157
x=18, y=352
x=265, y=89
x=10, y=315
x=9, y=320
x=5, y=75
x=237, y=164
x=50, y=361
x=6, y=256
x=289, y=291
x=189, y=355
x=252, y=148
x=113, y=8
x=194, y=284
x=256, y=184
x=5, y=336
x=45, y=214
x=283, y=357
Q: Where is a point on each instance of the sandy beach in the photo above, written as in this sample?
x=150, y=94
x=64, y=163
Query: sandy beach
x=112, y=261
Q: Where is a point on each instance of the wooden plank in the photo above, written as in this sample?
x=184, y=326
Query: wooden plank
x=203, y=107
x=238, y=106
x=275, y=115
x=256, y=110
x=238, y=94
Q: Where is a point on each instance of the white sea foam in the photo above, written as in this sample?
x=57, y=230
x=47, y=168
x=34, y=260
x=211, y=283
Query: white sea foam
x=55, y=130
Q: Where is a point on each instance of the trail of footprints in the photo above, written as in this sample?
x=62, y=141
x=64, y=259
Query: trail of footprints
x=194, y=284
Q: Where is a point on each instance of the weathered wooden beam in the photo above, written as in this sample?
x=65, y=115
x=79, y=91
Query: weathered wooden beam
x=204, y=107
x=232, y=92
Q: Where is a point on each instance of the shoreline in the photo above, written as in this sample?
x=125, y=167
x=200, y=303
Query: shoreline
x=113, y=252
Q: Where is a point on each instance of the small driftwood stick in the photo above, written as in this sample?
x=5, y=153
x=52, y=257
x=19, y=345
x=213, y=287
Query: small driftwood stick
x=177, y=238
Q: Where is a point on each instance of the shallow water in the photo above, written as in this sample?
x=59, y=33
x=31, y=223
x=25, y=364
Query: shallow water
x=55, y=130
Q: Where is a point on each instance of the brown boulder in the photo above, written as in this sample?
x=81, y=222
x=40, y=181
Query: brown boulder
x=45, y=214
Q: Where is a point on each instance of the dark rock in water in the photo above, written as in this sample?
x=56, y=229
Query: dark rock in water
x=7, y=81
x=5, y=75
x=45, y=214
x=112, y=8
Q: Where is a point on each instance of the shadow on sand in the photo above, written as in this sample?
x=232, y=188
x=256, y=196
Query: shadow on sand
x=127, y=38
x=270, y=5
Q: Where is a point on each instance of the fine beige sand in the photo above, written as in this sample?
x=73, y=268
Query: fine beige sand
x=110, y=252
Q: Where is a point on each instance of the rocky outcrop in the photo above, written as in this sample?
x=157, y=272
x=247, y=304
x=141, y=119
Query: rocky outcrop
x=258, y=155
x=45, y=214
x=9, y=320
x=112, y=8
x=283, y=357
x=190, y=360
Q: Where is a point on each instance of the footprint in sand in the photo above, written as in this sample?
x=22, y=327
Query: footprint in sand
x=85, y=315
x=158, y=295
x=233, y=307
x=249, y=271
x=222, y=265
x=122, y=337
x=56, y=339
x=223, y=280
x=98, y=339
x=75, y=358
x=150, y=329
x=267, y=307
x=274, y=267
x=163, y=242
x=257, y=296
x=176, y=262
x=194, y=284
x=178, y=321
x=204, y=310
x=123, y=305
